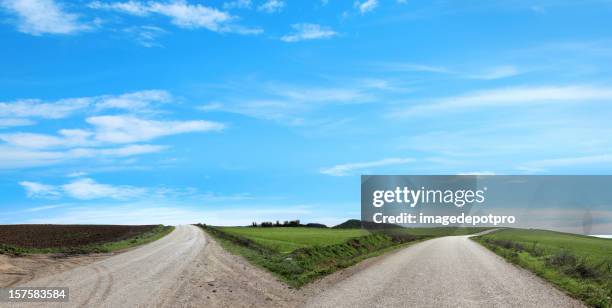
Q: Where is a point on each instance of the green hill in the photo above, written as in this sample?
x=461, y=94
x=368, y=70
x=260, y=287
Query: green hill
x=349, y=224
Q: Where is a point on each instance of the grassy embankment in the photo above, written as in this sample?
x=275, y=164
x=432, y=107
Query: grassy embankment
x=579, y=265
x=301, y=255
x=99, y=242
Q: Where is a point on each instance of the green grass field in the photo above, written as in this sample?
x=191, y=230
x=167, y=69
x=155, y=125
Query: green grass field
x=580, y=265
x=286, y=239
x=299, y=255
x=444, y=231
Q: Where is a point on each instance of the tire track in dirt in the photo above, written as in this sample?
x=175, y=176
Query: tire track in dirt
x=451, y=271
x=183, y=269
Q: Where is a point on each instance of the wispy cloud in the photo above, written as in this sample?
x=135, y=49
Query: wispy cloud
x=290, y=103
x=509, y=97
x=101, y=139
x=412, y=67
x=38, y=17
x=130, y=7
x=306, y=31
x=181, y=14
x=65, y=138
x=271, y=6
x=82, y=189
x=129, y=129
x=487, y=73
x=145, y=213
x=146, y=36
x=140, y=101
x=38, y=190
x=497, y=72
x=366, y=6
x=237, y=4
x=109, y=129
x=544, y=164
x=88, y=189
x=12, y=157
x=351, y=168
x=12, y=122
x=35, y=108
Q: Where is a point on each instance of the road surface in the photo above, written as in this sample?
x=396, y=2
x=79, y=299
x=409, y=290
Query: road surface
x=450, y=271
x=182, y=269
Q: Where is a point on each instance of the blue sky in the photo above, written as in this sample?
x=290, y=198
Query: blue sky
x=231, y=111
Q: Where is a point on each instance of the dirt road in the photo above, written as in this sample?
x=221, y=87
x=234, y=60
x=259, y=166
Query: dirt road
x=183, y=269
x=187, y=269
x=445, y=272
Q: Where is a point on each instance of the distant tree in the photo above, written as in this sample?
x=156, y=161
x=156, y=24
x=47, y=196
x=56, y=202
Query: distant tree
x=254, y=224
x=277, y=224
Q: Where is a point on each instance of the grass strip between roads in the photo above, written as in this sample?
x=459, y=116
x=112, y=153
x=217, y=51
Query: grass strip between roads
x=139, y=239
x=306, y=264
x=579, y=265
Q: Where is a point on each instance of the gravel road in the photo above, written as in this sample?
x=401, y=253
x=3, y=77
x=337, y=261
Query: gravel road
x=183, y=269
x=450, y=271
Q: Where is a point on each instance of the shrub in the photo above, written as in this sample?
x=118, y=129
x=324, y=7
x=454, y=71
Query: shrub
x=583, y=269
x=536, y=250
x=562, y=258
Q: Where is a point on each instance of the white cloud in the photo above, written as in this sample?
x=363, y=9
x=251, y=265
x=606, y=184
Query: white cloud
x=542, y=165
x=134, y=101
x=42, y=208
x=146, y=36
x=35, y=108
x=82, y=189
x=181, y=14
x=67, y=137
x=129, y=129
x=237, y=4
x=131, y=150
x=288, y=104
x=498, y=72
x=322, y=95
x=210, y=107
x=366, y=6
x=271, y=6
x=130, y=7
x=144, y=213
x=110, y=129
x=306, y=31
x=87, y=189
x=12, y=157
x=413, y=67
x=492, y=73
x=192, y=16
x=38, y=190
x=12, y=122
x=39, y=17
x=27, y=149
x=139, y=101
x=348, y=169
x=76, y=174
x=508, y=97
